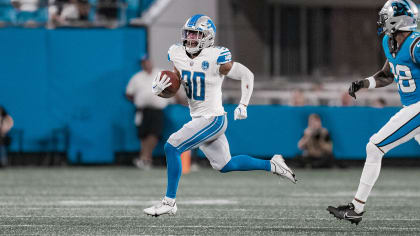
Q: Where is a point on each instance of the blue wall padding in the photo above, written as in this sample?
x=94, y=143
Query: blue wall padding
x=73, y=77
x=277, y=129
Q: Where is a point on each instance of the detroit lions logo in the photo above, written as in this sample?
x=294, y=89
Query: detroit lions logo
x=401, y=9
x=205, y=65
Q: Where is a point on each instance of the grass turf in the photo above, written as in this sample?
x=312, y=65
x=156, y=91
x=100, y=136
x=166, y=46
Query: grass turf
x=110, y=200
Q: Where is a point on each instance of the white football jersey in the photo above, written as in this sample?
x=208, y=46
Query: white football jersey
x=201, y=78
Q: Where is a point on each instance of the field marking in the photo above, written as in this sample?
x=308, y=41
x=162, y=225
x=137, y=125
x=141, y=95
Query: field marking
x=345, y=194
x=205, y=217
x=142, y=203
x=120, y=203
x=364, y=229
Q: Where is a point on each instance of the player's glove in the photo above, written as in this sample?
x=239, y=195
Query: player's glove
x=240, y=112
x=159, y=85
x=354, y=87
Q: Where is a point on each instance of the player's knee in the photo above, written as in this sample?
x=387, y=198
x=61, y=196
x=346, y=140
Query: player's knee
x=228, y=167
x=373, y=153
x=169, y=149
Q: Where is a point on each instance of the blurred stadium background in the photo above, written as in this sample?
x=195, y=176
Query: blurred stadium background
x=63, y=80
x=64, y=66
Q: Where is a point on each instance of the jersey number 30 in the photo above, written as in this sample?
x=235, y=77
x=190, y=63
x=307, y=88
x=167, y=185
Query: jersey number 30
x=410, y=85
x=195, y=85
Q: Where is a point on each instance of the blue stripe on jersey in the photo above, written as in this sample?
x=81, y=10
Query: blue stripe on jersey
x=407, y=128
x=225, y=52
x=194, y=19
x=169, y=58
x=198, y=133
x=208, y=134
x=224, y=58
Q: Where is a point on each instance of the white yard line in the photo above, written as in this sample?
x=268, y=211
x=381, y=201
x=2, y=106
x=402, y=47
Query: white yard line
x=364, y=229
x=205, y=217
x=119, y=202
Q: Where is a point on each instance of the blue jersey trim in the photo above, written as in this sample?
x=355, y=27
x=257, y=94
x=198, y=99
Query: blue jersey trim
x=169, y=58
x=194, y=20
x=224, y=59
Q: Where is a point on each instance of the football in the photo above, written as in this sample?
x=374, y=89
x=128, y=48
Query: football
x=171, y=90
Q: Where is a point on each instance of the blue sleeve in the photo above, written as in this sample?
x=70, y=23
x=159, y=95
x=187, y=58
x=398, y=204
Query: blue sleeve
x=224, y=56
x=415, y=51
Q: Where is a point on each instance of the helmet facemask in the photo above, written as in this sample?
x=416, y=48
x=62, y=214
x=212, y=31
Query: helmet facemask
x=381, y=23
x=193, y=40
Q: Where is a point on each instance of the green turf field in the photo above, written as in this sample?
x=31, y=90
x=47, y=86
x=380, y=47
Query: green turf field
x=109, y=201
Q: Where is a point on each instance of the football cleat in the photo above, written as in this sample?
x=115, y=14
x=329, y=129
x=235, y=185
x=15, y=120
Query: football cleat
x=166, y=206
x=281, y=169
x=346, y=212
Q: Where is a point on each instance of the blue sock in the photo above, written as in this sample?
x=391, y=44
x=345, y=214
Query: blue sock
x=245, y=162
x=174, y=169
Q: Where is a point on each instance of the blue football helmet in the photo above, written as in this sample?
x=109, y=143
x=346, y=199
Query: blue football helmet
x=198, y=32
x=397, y=15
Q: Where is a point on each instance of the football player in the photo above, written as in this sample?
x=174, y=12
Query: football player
x=202, y=67
x=398, y=20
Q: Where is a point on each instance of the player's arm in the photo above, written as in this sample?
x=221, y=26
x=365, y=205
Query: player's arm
x=382, y=78
x=237, y=71
x=7, y=124
x=303, y=142
x=129, y=97
x=159, y=84
x=129, y=90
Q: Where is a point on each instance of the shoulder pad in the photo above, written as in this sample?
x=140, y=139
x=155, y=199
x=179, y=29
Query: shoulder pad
x=173, y=49
x=415, y=46
x=223, y=55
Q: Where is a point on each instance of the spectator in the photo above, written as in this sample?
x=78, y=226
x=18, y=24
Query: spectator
x=149, y=111
x=346, y=99
x=68, y=13
x=379, y=103
x=7, y=13
x=6, y=123
x=298, y=98
x=316, y=145
x=107, y=13
x=29, y=13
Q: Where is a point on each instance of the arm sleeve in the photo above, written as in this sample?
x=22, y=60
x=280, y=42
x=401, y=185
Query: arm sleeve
x=130, y=87
x=240, y=72
x=415, y=51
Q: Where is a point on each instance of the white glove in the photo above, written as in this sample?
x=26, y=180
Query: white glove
x=240, y=112
x=159, y=85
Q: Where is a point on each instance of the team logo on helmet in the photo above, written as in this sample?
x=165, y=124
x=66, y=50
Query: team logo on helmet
x=401, y=9
x=205, y=65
